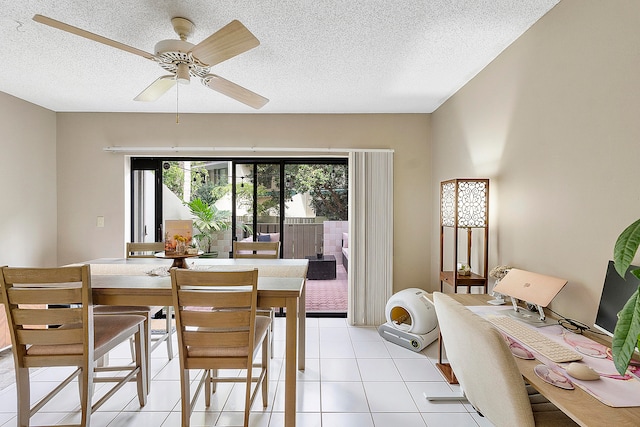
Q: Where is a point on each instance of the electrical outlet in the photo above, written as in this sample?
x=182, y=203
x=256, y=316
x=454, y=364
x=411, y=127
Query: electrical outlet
x=100, y=222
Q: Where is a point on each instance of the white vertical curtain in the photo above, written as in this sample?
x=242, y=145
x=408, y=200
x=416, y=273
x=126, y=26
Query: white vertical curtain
x=370, y=235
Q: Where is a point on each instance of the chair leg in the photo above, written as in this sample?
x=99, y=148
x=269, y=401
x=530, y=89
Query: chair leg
x=147, y=349
x=24, y=396
x=214, y=384
x=98, y=364
x=185, y=395
x=142, y=380
x=86, y=392
x=265, y=365
x=169, y=311
x=132, y=349
x=273, y=321
x=247, y=398
x=207, y=388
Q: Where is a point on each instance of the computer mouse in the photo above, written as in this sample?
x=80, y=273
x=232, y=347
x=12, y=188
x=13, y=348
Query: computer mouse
x=580, y=371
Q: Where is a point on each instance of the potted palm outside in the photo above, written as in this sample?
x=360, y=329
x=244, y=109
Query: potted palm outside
x=209, y=221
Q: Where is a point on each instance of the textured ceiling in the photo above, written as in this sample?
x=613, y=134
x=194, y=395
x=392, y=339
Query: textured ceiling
x=315, y=56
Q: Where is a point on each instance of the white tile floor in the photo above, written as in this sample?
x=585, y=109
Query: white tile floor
x=353, y=378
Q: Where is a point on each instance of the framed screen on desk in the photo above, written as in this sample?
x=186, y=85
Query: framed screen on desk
x=615, y=293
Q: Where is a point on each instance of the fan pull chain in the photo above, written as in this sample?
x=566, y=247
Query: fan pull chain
x=177, y=113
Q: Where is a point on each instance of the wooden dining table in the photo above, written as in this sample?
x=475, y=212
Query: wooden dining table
x=287, y=292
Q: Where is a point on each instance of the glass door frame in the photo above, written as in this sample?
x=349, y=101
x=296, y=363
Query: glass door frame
x=254, y=180
x=149, y=164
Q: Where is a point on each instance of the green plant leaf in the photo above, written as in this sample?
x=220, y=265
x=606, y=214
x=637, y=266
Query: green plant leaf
x=626, y=246
x=626, y=333
x=208, y=220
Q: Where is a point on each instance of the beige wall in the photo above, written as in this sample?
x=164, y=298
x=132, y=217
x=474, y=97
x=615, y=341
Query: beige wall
x=93, y=183
x=553, y=122
x=28, y=222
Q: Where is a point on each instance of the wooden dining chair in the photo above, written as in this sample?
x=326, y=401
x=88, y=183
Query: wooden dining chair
x=147, y=250
x=144, y=249
x=154, y=340
x=67, y=335
x=218, y=329
x=260, y=250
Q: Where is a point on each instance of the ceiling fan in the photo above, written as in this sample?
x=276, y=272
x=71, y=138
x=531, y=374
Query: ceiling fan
x=183, y=59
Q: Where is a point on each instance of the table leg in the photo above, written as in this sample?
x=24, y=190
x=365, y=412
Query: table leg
x=302, y=325
x=290, y=363
x=445, y=368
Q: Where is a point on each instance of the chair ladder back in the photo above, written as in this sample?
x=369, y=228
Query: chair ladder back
x=215, y=309
x=219, y=319
x=143, y=249
x=257, y=250
x=45, y=295
x=30, y=295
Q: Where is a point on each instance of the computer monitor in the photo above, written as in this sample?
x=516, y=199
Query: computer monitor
x=615, y=293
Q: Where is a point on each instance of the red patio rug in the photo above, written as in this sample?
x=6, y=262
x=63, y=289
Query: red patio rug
x=328, y=295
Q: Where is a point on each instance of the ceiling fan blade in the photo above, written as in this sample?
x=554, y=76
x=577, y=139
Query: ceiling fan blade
x=91, y=36
x=229, y=41
x=156, y=89
x=234, y=91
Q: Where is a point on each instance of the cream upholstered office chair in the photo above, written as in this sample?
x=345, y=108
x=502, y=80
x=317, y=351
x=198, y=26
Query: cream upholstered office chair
x=43, y=336
x=487, y=371
x=218, y=329
x=259, y=250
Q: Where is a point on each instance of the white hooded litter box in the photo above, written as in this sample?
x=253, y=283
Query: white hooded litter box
x=411, y=320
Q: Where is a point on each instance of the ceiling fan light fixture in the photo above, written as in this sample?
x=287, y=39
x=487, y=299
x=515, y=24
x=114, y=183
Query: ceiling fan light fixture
x=182, y=74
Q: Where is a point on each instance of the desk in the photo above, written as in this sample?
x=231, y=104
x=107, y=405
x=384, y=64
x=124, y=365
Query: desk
x=117, y=281
x=583, y=408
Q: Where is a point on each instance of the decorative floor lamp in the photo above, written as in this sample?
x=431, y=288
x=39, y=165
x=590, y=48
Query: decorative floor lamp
x=464, y=205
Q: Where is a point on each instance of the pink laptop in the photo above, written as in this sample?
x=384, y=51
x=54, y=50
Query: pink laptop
x=530, y=287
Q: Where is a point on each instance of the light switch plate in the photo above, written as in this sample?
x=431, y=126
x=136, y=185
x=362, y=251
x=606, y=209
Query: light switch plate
x=100, y=221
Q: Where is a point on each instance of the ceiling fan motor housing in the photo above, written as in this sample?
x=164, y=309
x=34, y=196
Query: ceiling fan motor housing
x=170, y=53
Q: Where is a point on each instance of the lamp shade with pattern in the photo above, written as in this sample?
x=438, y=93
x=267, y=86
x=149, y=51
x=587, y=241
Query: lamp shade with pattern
x=464, y=203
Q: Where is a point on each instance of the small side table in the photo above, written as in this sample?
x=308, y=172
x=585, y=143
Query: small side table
x=178, y=259
x=321, y=268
